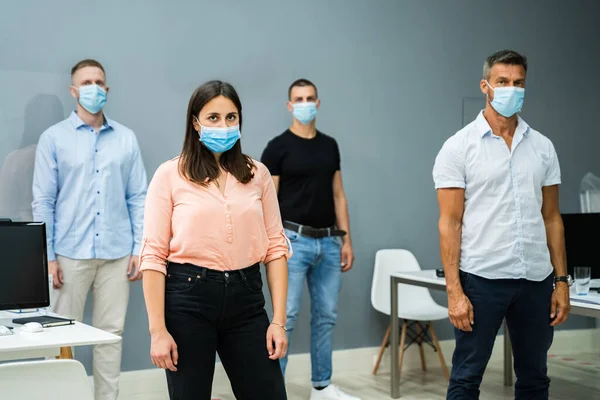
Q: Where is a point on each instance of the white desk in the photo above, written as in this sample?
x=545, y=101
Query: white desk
x=24, y=345
x=428, y=279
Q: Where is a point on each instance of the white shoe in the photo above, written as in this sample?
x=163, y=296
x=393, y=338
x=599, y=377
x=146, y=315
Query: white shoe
x=331, y=392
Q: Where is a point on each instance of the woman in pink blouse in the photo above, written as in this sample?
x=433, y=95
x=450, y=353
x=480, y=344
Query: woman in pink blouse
x=211, y=217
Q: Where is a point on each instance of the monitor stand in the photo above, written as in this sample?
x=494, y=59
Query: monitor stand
x=24, y=311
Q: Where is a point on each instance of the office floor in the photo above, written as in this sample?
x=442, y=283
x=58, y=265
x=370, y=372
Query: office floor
x=573, y=377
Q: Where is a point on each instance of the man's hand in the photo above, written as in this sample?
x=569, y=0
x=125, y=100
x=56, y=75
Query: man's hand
x=561, y=304
x=347, y=257
x=133, y=270
x=460, y=312
x=55, y=270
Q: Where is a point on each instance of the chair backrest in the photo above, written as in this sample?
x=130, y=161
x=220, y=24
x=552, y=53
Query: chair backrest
x=388, y=261
x=45, y=380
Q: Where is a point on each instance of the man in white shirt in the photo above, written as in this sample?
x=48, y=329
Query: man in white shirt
x=501, y=236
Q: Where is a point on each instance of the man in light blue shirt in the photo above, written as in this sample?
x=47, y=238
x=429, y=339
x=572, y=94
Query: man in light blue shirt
x=501, y=236
x=89, y=187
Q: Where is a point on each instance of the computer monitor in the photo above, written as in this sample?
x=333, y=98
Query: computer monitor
x=582, y=243
x=23, y=266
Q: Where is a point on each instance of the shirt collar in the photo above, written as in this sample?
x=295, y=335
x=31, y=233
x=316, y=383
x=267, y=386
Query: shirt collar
x=78, y=122
x=484, y=129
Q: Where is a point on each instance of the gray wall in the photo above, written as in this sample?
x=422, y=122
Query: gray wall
x=392, y=76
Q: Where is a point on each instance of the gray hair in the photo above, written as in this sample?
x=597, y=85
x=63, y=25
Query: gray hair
x=503, y=57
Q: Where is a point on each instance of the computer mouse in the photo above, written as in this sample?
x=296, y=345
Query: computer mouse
x=32, y=327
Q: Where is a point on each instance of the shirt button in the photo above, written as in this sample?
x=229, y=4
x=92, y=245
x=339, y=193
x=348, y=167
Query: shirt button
x=97, y=213
x=96, y=150
x=97, y=171
x=97, y=234
x=98, y=192
x=226, y=274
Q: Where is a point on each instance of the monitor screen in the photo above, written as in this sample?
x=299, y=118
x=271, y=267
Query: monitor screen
x=24, y=266
x=581, y=242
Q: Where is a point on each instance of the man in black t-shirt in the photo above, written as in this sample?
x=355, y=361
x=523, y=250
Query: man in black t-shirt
x=305, y=165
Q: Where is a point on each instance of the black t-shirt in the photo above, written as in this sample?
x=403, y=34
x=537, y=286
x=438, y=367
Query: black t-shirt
x=305, y=168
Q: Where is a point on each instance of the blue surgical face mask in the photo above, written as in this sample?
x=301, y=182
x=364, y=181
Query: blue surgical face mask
x=507, y=100
x=92, y=98
x=219, y=139
x=305, y=112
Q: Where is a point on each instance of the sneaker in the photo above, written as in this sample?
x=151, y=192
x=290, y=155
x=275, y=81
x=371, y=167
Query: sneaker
x=331, y=392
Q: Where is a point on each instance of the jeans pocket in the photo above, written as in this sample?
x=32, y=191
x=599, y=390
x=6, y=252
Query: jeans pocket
x=465, y=280
x=254, y=283
x=338, y=240
x=177, y=282
x=291, y=235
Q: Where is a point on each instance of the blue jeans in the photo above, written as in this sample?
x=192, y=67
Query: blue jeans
x=526, y=307
x=317, y=261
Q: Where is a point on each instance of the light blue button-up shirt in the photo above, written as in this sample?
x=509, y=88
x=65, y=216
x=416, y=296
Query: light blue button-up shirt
x=89, y=188
x=503, y=231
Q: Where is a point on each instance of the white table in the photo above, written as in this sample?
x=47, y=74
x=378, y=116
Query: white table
x=48, y=343
x=428, y=279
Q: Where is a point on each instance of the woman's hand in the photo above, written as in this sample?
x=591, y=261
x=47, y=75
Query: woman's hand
x=163, y=350
x=277, y=342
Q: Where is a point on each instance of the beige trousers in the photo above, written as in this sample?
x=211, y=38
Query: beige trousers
x=110, y=293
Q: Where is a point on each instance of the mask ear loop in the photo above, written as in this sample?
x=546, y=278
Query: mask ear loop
x=490, y=87
x=199, y=132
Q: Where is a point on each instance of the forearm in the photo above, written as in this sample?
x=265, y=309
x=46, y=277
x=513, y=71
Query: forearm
x=154, y=294
x=342, y=217
x=277, y=279
x=556, y=244
x=450, y=238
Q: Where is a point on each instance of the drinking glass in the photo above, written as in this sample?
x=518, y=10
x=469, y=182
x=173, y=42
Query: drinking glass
x=582, y=280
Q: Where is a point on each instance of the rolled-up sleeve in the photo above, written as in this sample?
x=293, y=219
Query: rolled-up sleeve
x=449, y=167
x=279, y=245
x=157, y=223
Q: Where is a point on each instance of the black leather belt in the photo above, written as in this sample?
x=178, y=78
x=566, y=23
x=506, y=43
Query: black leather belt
x=315, y=233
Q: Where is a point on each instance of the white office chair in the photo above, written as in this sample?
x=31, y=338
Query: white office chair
x=415, y=306
x=45, y=380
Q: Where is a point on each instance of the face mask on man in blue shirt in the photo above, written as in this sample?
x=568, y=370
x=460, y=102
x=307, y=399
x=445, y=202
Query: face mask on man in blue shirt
x=92, y=98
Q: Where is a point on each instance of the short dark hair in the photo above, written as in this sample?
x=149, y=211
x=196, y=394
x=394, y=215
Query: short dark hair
x=301, y=83
x=197, y=163
x=88, y=62
x=503, y=57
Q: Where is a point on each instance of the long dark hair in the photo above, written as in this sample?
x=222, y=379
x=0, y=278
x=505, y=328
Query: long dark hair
x=197, y=163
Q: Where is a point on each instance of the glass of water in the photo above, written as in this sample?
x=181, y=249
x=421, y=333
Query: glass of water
x=582, y=280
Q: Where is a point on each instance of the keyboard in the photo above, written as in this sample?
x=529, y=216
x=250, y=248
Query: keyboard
x=4, y=331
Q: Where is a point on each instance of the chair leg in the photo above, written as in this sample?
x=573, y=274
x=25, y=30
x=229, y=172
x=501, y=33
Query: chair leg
x=420, y=343
x=402, y=343
x=439, y=351
x=65, y=353
x=386, y=339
